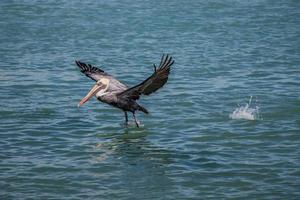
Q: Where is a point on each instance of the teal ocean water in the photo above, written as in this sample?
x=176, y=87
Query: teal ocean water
x=189, y=147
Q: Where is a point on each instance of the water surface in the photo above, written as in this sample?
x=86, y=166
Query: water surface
x=188, y=147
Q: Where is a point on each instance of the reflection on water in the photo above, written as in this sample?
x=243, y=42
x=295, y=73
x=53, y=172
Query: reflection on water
x=130, y=144
x=149, y=163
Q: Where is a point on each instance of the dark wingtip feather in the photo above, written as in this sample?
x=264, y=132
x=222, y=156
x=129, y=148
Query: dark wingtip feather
x=87, y=67
x=79, y=64
x=154, y=67
x=167, y=64
x=162, y=58
x=166, y=59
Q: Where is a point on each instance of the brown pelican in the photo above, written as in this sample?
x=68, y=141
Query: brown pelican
x=111, y=91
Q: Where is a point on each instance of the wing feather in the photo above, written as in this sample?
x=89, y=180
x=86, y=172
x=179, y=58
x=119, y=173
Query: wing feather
x=96, y=74
x=91, y=71
x=153, y=83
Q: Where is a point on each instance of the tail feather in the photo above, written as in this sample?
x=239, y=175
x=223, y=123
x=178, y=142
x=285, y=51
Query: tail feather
x=143, y=109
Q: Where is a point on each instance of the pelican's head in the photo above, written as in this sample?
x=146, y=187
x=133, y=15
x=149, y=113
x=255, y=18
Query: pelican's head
x=100, y=86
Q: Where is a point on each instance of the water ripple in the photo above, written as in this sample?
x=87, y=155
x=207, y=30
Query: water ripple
x=187, y=147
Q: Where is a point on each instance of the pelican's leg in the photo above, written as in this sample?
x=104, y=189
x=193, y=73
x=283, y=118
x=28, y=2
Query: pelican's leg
x=137, y=124
x=126, y=118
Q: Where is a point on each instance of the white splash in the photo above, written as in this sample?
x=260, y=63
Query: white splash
x=246, y=112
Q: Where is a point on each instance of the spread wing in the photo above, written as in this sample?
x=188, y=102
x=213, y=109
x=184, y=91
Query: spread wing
x=91, y=71
x=96, y=74
x=153, y=83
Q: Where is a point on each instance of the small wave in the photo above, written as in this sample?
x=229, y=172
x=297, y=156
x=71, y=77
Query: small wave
x=246, y=112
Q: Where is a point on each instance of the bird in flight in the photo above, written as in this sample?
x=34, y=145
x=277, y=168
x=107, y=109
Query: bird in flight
x=109, y=90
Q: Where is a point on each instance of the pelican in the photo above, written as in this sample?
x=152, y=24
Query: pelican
x=109, y=90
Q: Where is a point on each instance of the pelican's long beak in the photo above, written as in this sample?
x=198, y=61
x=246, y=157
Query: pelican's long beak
x=96, y=88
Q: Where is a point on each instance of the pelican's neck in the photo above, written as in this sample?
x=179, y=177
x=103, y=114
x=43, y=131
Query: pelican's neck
x=102, y=92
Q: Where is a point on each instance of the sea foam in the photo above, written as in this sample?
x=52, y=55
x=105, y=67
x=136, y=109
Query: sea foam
x=246, y=112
